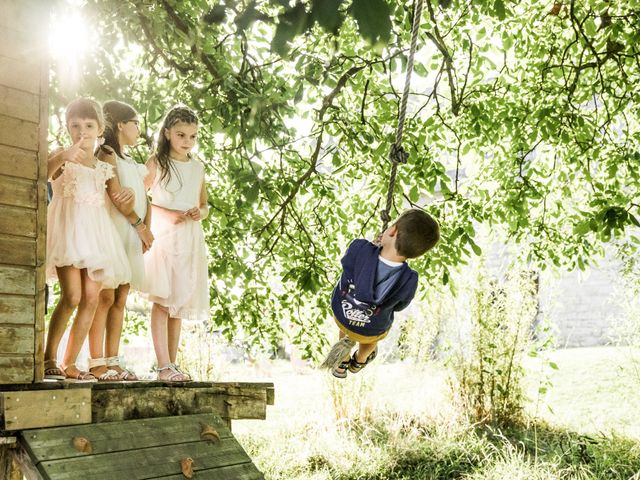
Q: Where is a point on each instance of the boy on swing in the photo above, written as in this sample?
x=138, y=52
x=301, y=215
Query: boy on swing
x=375, y=283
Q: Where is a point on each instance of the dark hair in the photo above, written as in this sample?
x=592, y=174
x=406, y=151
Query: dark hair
x=179, y=113
x=84, y=108
x=116, y=112
x=417, y=233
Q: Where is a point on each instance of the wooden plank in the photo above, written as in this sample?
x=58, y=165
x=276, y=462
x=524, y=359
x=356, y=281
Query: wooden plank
x=22, y=466
x=37, y=409
x=17, y=250
x=244, y=471
x=16, y=309
x=20, y=15
x=20, y=74
x=17, y=44
x=18, y=369
x=154, y=401
x=18, y=133
x=41, y=214
x=17, y=221
x=53, y=443
x=18, y=192
x=17, y=280
x=18, y=104
x=16, y=339
x=147, y=463
x=39, y=330
x=16, y=162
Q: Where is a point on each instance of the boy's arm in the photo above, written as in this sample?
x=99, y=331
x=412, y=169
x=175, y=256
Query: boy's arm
x=348, y=259
x=402, y=304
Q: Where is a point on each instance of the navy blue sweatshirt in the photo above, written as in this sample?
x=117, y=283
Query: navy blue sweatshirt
x=352, y=301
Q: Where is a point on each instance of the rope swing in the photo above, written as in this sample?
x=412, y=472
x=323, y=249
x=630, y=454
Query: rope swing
x=397, y=154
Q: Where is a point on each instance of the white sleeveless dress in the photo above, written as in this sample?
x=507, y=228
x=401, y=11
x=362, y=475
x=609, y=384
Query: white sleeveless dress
x=80, y=232
x=131, y=174
x=176, y=265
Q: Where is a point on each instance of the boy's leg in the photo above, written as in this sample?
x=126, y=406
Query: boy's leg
x=364, y=350
x=341, y=370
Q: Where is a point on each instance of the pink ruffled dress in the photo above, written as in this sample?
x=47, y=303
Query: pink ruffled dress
x=80, y=232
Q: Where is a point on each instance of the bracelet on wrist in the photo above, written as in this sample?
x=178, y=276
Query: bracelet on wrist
x=138, y=222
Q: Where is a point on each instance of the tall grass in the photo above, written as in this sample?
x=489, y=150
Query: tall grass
x=488, y=369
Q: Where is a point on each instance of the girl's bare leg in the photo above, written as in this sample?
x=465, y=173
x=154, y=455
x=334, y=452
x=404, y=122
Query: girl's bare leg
x=159, y=332
x=82, y=322
x=97, y=330
x=71, y=293
x=115, y=321
x=174, y=328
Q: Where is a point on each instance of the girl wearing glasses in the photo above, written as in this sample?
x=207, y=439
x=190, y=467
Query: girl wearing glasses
x=122, y=130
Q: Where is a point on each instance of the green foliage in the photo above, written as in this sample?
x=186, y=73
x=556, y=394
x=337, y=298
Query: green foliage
x=520, y=119
x=489, y=370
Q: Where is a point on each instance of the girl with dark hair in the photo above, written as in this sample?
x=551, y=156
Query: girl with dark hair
x=176, y=266
x=122, y=129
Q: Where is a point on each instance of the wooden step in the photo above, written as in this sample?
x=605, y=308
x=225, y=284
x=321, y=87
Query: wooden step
x=140, y=449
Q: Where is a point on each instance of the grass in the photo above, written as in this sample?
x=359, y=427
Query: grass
x=397, y=422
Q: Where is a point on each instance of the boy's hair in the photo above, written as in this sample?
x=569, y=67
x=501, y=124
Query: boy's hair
x=84, y=108
x=179, y=113
x=116, y=112
x=417, y=233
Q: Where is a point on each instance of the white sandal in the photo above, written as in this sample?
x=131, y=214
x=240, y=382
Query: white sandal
x=80, y=376
x=188, y=375
x=175, y=376
x=109, y=375
x=125, y=375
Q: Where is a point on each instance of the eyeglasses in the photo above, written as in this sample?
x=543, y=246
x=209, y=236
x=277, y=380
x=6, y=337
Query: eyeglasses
x=137, y=122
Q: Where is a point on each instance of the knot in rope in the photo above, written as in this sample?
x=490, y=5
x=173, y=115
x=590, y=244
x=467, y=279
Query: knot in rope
x=398, y=154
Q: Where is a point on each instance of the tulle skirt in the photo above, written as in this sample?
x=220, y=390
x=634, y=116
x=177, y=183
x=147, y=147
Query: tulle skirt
x=82, y=235
x=176, y=268
x=132, y=247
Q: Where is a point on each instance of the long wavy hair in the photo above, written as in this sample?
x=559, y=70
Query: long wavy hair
x=116, y=112
x=179, y=113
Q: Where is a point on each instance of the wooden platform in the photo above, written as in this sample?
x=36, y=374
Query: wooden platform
x=61, y=403
x=134, y=430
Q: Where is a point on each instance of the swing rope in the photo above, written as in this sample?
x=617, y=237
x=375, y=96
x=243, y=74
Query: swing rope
x=397, y=154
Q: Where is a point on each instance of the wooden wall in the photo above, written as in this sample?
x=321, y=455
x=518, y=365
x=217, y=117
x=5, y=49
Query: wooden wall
x=23, y=187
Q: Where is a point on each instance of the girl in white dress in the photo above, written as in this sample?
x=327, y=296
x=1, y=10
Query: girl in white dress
x=84, y=250
x=133, y=224
x=176, y=266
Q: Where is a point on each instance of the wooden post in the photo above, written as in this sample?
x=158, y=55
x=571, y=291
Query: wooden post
x=24, y=80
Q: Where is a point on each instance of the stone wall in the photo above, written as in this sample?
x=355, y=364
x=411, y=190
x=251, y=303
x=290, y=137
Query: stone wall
x=583, y=306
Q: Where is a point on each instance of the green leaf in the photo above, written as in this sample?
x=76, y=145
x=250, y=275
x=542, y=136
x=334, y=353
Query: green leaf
x=498, y=8
x=374, y=21
x=291, y=23
x=327, y=14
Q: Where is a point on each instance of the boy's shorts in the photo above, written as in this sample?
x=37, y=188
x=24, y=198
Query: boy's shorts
x=357, y=337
